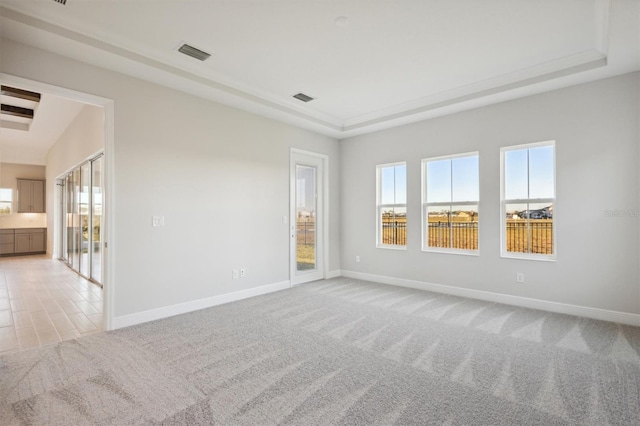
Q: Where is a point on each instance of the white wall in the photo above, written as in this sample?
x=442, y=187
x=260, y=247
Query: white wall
x=218, y=175
x=82, y=140
x=595, y=127
x=9, y=175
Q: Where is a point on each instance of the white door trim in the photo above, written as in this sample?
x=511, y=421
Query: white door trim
x=324, y=232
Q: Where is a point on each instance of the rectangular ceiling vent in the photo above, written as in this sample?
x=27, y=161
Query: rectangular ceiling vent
x=61, y=1
x=16, y=111
x=193, y=52
x=302, y=97
x=19, y=93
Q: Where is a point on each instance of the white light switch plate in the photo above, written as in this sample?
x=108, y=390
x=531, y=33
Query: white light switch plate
x=158, y=221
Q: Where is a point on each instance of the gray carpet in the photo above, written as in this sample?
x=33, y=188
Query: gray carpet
x=341, y=352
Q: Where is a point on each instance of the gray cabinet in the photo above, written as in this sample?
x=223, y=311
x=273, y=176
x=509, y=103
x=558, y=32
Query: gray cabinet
x=7, y=241
x=30, y=240
x=31, y=196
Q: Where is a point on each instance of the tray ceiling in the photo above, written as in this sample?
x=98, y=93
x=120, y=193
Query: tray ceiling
x=368, y=65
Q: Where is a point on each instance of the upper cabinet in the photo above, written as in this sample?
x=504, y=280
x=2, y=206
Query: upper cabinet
x=31, y=196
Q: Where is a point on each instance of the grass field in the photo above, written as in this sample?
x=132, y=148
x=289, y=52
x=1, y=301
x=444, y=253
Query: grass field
x=306, y=245
x=306, y=256
x=523, y=236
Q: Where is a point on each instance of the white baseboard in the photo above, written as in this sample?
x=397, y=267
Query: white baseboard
x=525, y=302
x=334, y=274
x=194, y=305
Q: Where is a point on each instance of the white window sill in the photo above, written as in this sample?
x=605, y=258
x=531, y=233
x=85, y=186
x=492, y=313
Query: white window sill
x=539, y=258
x=391, y=247
x=452, y=251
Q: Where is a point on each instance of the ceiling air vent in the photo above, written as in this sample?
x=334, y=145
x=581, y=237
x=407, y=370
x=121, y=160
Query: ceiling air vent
x=16, y=111
x=302, y=97
x=193, y=52
x=61, y=1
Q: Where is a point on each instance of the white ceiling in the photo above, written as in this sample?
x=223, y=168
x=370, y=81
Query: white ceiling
x=51, y=118
x=396, y=61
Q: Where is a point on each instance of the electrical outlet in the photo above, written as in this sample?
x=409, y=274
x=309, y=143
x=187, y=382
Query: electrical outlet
x=357, y=258
x=243, y=272
x=157, y=221
x=520, y=277
x=235, y=274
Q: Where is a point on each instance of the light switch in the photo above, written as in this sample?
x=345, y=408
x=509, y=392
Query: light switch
x=158, y=221
x=284, y=220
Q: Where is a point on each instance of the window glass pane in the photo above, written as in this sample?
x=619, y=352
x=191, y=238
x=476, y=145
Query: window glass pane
x=515, y=175
x=541, y=172
x=394, y=226
x=517, y=232
x=305, y=218
x=401, y=184
x=439, y=181
x=540, y=217
x=387, y=185
x=438, y=224
x=464, y=227
x=6, y=194
x=466, y=181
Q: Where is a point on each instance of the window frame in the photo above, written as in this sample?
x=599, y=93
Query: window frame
x=379, y=206
x=8, y=201
x=426, y=205
x=503, y=204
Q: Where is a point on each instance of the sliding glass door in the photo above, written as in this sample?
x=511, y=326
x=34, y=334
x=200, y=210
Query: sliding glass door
x=83, y=212
x=96, y=219
x=81, y=245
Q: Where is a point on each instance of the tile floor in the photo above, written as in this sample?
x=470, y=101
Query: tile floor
x=42, y=301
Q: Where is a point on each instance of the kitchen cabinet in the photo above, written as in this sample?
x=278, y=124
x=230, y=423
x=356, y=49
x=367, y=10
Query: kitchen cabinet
x=30, y=240
x=7, y=241
x=31, y=196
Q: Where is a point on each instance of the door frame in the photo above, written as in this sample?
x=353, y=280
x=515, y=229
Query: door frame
x=294, y=157
x=108, y=281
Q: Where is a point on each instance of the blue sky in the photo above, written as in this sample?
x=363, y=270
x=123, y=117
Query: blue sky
x=453, y=180
x=394, y=185
x=456, y=180
x=540, y=173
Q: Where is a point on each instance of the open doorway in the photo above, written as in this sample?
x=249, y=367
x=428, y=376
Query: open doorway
x=92, y=218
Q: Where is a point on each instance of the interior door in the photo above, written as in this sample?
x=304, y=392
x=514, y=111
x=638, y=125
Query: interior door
x=306, y=218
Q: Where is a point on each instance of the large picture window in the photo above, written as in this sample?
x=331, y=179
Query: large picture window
x=391, y=205
x=528, y=200
x=450, y=200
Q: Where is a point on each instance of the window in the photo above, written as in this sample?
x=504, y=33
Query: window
x=392, y=205
x=528, y=199
x=6, y=197
x=450, y=199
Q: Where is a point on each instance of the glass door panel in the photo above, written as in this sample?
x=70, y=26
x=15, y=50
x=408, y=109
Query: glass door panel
x=96, y=220
x=83, y=210
x=75, y=220
x=67, y=214
x=305, y=218
x=83, y=220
